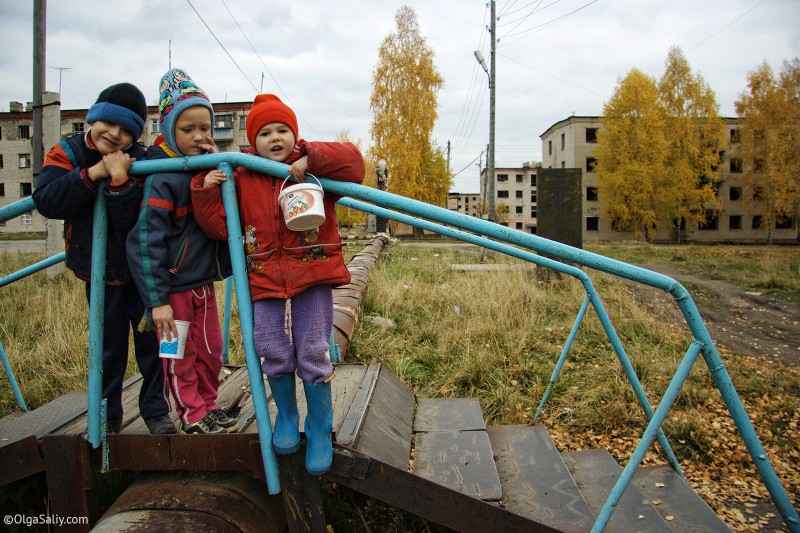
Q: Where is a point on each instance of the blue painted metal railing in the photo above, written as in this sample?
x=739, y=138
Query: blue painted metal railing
x=418, y=214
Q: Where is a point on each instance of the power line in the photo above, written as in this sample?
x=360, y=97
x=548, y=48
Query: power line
x=546, y=24
x=551, y=76
x=268, y=71
x=726, y=26
x=221, y=45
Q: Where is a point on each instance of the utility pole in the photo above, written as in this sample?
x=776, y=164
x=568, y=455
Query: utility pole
x=39, y=32
x=490, y=71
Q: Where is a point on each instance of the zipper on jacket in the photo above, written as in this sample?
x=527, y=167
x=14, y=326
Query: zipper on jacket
x=184, y=249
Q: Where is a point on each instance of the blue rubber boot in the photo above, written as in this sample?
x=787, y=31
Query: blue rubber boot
x=319, y=426
x=286, y=435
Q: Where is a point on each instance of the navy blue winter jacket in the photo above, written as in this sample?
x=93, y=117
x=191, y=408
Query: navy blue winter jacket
x=167, y=250
x=64, y=191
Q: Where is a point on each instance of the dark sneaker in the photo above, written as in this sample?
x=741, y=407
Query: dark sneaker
x=113, y=425
x=160, y=425
x=221, y=419
x=206, y=426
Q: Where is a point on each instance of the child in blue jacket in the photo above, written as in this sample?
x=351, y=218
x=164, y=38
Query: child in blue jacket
x=66, y=189
x=175, y=264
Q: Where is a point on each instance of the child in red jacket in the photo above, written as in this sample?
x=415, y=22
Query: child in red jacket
x=290, y=273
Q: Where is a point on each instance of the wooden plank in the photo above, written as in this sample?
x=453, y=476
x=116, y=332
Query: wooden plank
x=535, y=480
x=19, y=460
x=45, y=419
x=461, y=460
x=677, y=499
x=130, y=408
x=70, y=479
x=181, y=452
x=344, y=389
x=357, y=410
x=448, y=414
x=386, y=432
x=595, y=472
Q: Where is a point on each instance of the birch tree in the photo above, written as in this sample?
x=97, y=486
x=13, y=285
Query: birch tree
x=404, y=105
x=631, y=149
x=695, y=135
x=770, y=139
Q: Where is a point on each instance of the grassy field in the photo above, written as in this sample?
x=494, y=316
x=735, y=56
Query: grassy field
x=496, y=336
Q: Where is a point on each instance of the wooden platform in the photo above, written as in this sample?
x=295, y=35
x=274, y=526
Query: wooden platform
x=463, y=474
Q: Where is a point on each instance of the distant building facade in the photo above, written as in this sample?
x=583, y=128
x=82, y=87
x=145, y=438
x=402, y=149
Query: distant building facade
x=570, y=143
x=16, y=149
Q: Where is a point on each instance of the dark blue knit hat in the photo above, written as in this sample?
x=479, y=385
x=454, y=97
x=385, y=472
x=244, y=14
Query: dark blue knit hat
x=177, y=92
x=122, y=104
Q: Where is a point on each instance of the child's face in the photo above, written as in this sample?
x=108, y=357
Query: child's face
x=108, y=138
x=193, y=128
x=275, y=141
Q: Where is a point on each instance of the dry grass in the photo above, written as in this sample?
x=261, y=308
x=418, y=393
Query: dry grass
x=497, y=336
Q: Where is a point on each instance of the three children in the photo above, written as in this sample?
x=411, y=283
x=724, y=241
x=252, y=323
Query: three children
x=291, y=274
x=67, y=188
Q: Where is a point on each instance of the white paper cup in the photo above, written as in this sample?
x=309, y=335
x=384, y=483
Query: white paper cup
x=174, y=349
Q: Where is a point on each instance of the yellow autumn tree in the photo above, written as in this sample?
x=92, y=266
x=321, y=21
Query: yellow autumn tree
x=347, y=216
x=404, y=105
x=770, y=140
x=631, y=151
x=695, y=135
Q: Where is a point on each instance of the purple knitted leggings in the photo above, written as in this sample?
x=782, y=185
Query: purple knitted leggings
x=293, y=334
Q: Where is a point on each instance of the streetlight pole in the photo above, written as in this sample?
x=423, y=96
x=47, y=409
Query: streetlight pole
x=491, y=73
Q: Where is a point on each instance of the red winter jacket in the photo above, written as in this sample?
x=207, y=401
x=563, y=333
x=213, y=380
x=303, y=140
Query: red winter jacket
x=282, y=263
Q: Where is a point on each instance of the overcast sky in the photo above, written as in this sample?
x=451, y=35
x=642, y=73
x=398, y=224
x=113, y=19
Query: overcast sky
x=555, y=57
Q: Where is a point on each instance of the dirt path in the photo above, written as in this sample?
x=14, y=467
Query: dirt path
x=744, y=322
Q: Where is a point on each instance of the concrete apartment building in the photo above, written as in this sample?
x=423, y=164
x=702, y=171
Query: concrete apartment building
x=570, y=143
x=16, y=148
x=515, y=198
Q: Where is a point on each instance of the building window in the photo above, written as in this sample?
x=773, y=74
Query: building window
x=591, y=194
x=2, y=189
x=518, y=194
x=519, y=225
x=24, y=131
x=223, y=121
x=520, y=178
x=154, y=126
x=758, y=165
x=26, y=219
x=735, y=165
x=758, y=222
x=711, y=222
x=563, y=164
x=735, y=222
x=502, y=177
x=549, y=147
x=563, y=141
x=590, y=163
x=784, y=222
x=533, y=180
x=1, y=160
x=78, y=127
x=533, y=197
x=591, y=135
x=24, y=160
x=518, y=210
x=1, y=133
x=736, y=136
x=592, y=223
x=502, y=194
x=533, y=212
x=25, y=189
x=735, y=193
x=758, y=193
x=242, y=122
